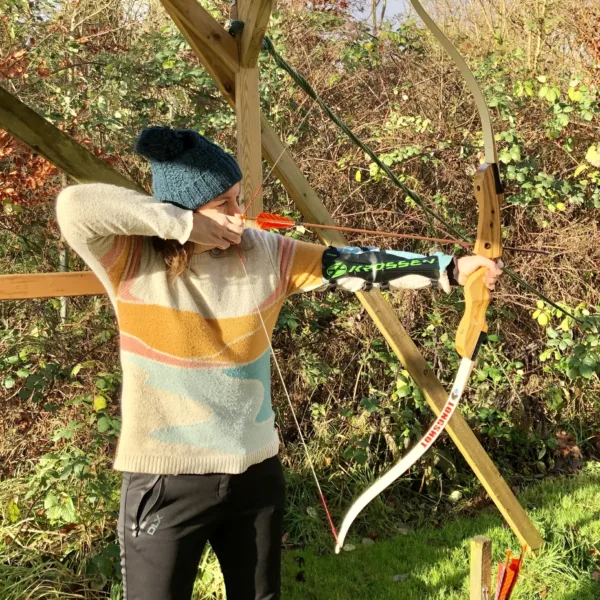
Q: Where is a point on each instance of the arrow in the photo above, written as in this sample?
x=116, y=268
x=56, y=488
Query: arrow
x=266, y=220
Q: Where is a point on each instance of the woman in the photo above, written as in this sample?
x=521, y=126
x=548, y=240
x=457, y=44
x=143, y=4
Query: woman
x=198, y=446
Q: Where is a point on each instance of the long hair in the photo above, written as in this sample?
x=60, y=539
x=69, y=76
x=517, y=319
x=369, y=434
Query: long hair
x=177, y=256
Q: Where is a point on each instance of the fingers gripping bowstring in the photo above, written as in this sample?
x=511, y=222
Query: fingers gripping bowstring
x=287, y=395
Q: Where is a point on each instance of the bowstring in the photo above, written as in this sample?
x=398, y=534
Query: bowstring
x=272, y=351
x=287, y=395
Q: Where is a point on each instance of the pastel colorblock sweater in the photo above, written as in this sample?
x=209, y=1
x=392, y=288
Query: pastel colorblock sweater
x=195, y=359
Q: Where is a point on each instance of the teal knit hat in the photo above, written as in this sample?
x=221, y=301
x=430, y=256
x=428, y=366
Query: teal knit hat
x=188, y=170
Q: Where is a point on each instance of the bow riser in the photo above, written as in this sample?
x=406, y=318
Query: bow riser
x=490, y=195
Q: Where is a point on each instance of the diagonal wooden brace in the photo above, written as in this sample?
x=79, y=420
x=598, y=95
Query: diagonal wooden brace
x=311, y=206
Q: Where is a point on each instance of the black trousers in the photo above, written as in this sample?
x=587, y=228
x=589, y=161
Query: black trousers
x=166, y=520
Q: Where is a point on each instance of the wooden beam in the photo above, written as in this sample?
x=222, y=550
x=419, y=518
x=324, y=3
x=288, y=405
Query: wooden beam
x=211, y=37
x=249, y=153
x=49, y=285
x=54, y=145
x=255, y=14
x=213, y=62
x=247, y=105
x=480, y=586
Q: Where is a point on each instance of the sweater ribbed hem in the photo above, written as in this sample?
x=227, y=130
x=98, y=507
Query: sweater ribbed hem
x=201, y=465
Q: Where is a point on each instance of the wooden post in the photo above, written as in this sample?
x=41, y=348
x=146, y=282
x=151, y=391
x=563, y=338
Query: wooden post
x=248, y=138
x=481, y=568
x=255, y=16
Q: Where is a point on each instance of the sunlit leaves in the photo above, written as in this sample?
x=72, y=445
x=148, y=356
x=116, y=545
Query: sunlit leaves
x=593, y=155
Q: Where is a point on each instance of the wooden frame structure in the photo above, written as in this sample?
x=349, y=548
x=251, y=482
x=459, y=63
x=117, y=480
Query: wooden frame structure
x=233, y=66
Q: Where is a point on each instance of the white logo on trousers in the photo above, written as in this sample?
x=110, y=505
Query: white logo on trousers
x=152, y=529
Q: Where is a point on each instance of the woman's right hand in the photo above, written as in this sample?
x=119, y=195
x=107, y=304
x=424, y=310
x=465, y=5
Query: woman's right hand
x=214, y=229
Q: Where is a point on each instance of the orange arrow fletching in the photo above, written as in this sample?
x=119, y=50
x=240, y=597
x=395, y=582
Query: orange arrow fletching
x=508, y=573
x=270, y=221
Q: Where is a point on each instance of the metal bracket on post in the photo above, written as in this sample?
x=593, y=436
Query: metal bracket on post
x=235, y=27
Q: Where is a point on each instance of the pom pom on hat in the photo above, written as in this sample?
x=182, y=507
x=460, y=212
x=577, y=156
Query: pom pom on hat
x=162, y=143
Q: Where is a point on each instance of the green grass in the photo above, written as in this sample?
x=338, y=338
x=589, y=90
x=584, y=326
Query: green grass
x=566, y=511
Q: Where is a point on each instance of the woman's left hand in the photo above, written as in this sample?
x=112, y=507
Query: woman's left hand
x=469, y=264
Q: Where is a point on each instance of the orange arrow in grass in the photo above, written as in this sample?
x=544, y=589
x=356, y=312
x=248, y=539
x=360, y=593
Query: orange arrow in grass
x=508, y=573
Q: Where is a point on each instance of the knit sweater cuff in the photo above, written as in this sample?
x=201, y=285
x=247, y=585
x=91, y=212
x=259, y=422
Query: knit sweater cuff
x=183, y=222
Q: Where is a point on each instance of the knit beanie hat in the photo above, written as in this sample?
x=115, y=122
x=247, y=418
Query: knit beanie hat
x=188, y=170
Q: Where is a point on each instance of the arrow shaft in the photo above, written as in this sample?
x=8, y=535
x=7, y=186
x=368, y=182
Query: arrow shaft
x=286, y=225
x=387, y=234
